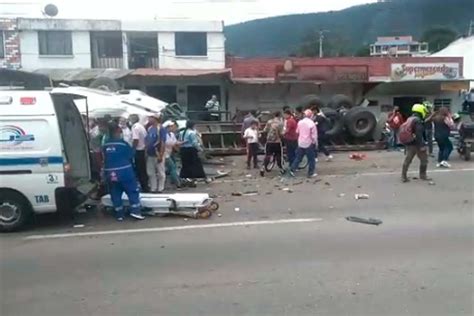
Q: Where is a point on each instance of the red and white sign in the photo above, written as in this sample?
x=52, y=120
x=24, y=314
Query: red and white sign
x=431, y=71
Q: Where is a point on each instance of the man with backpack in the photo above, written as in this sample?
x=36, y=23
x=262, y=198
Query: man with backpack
x=412, y=135
x=394, y=121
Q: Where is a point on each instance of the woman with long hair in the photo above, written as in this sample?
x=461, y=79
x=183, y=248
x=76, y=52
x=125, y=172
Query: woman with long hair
x=443, y=123
x=189, y=152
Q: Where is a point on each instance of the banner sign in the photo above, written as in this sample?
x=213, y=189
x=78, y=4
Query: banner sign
x=425, y=71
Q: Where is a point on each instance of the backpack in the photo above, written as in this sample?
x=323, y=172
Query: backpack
x=406, y=132
x=395, y=121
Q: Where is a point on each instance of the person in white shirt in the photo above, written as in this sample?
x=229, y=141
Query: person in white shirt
x=251, y=136
x=171, y=145
x=138, y=143
x=126, y=132
x=213, y=107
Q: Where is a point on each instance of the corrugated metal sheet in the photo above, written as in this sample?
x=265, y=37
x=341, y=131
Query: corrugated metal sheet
x=179, y=72
x=82, y=74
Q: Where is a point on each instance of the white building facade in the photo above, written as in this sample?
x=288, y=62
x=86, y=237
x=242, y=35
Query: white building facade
x=175, y=60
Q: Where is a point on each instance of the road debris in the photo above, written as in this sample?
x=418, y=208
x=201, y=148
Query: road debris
x=219, y=215
x=287, y=190
x=327, y=183
x=250, y=193
x=341, y=195
x=370, y=221
x=236, y=209
x=361, y=196
x=357, y=156
x=236, y=193
x=431, y=183
x=79, y=226
x=248, y=176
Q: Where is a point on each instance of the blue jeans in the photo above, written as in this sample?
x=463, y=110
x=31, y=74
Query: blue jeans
x=310, y=153
x=393, y=142
x=291, y=147
x=120, y=181
x=445, y=148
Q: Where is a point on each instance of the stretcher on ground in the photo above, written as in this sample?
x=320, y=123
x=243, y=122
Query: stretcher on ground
x=195, y=205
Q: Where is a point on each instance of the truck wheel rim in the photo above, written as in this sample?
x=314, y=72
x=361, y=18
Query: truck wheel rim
x=9, y=212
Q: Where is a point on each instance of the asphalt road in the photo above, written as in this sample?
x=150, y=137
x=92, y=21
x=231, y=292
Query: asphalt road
x=420, y=261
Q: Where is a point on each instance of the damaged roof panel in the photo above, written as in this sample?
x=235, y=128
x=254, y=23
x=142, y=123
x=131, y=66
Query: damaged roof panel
x=82, y=74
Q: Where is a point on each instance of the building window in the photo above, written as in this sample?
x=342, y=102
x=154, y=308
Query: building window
x=378, y=49
x=191, y=44
x=438, y=103
x=109, y=46
x=413, y=48
x=2, y=45
x=403, y=47
x=55, y=43
x=424, y=47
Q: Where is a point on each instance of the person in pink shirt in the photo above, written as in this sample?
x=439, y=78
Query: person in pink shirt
x=307, y=142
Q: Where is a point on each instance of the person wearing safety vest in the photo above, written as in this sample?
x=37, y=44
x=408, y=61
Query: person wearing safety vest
x=119, y=173
x=417, y=146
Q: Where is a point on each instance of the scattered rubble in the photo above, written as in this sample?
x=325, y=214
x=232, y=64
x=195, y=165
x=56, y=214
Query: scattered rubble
x=370, y=221
x=361, y=196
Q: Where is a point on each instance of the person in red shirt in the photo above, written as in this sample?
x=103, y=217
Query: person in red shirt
x=290, y=135
x=394, y=121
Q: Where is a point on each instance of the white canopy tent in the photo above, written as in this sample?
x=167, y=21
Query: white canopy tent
x=462, y=47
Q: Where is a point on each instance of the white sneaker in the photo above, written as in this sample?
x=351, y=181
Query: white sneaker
x=329, y=158
x=438, y=165
x=445, y=164
x=137, y=216
x=314, y=175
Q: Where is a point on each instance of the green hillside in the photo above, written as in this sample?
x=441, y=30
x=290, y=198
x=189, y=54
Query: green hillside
x=349, y=29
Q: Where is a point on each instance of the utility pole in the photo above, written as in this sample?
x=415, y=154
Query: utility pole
x=321, y=38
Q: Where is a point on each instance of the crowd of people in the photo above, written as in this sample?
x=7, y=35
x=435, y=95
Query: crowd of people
x=132, y=157
x=301, y=132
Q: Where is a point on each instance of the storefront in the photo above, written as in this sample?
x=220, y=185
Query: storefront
x=270, y=84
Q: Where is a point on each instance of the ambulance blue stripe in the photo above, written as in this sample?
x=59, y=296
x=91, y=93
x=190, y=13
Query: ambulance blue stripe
x=29, y=161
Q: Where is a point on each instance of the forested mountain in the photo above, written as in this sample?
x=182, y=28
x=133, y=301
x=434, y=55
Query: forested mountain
x=349, y=30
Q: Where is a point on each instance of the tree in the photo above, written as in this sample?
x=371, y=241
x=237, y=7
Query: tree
x=363, y=51
x=438, y=38
x=334, y=45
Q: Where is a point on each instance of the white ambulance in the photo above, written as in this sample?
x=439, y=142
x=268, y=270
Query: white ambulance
x=44, y=155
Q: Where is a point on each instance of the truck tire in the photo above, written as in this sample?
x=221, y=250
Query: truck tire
x=360, y=122
x=15, y=210
x=341, y=101
x=378, y=133
x=311, y=100
x=335, y=122
x=105, y=83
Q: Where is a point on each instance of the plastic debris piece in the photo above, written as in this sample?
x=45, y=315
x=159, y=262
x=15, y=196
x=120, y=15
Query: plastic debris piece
x=79, y=226
x=431, y=183
x=341, y=195
x=370, y=221
x=285, y=189
x=361, y=196
x=250, y=193
x=248, y=176
x=357, y=156
x=219, y=215
x=237, y=209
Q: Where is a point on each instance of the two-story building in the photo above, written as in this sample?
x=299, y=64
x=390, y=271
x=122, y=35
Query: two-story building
x=398, y=46
x=175, y=60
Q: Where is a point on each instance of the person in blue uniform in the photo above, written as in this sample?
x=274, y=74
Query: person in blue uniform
x=119, y=173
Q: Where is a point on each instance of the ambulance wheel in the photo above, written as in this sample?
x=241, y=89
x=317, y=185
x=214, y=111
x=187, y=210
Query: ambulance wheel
x=15, y=210
x=204, y=214
x=214, y=206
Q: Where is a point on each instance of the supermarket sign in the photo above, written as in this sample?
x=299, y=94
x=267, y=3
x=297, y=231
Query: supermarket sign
x=431, y=71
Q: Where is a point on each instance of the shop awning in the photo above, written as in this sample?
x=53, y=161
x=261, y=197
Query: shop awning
x=179, y=72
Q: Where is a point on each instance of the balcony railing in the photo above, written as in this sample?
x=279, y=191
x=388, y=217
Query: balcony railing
x=107, y=62
x=135, y=62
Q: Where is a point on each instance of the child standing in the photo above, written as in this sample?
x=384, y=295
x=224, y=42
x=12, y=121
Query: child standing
x=251, y=136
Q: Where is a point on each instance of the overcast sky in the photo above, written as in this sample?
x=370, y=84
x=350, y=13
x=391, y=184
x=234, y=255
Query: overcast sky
x=231, y=11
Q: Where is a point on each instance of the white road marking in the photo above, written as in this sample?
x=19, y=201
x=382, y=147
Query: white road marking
x=173, y=228
x=367, y=174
